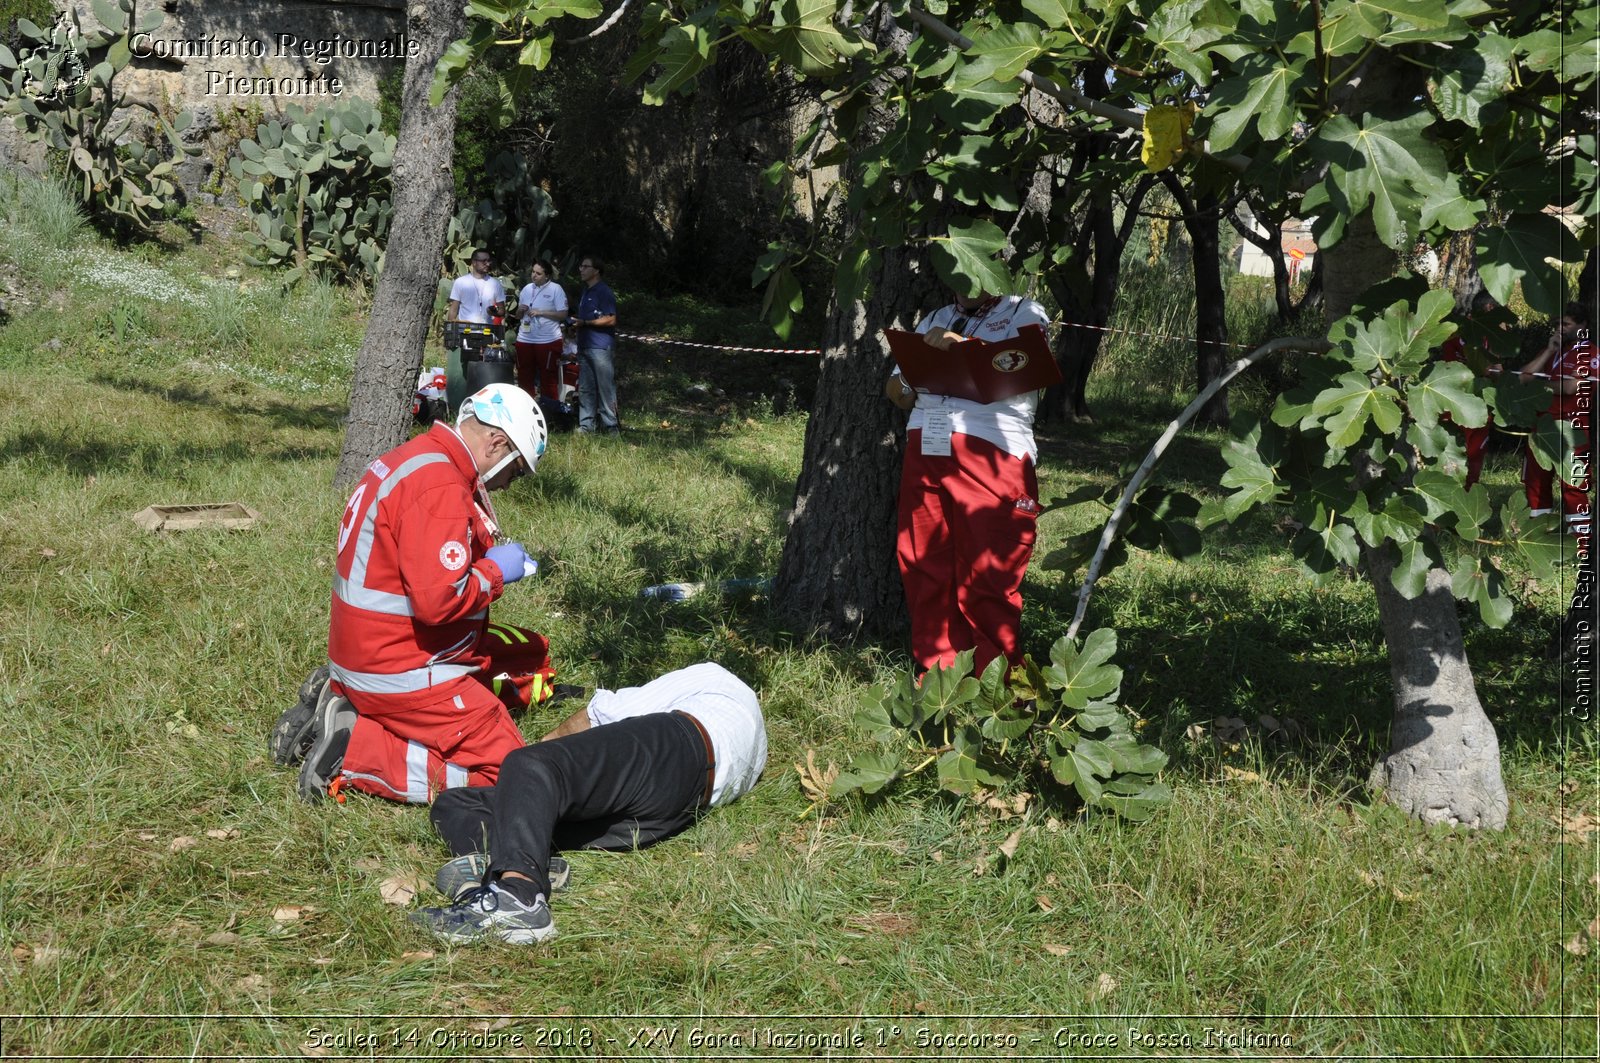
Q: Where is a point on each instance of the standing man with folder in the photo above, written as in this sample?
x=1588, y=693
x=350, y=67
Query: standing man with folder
x=969, y=499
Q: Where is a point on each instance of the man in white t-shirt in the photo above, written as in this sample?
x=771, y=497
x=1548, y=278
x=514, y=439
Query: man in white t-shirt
x=635, y=767
x=543, y=306
x=473, y=294
x=969, y=499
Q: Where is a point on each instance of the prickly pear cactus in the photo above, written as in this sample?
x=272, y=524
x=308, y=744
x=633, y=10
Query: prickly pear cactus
x=514, y=218
x=59, y=87
x=317, y=185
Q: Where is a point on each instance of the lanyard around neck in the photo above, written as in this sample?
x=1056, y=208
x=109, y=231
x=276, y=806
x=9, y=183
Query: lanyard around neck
x=965, y=319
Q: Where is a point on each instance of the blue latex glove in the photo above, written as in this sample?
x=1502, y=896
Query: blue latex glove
x=513, y=560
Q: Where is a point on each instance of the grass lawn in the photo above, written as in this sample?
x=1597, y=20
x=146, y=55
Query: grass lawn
x=165, y=894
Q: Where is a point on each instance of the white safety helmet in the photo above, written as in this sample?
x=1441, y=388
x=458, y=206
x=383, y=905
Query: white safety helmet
x=513, y=411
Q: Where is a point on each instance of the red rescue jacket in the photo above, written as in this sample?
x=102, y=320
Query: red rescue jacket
x=412, y=588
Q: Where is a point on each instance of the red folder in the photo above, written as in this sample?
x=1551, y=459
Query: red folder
x=977, y=369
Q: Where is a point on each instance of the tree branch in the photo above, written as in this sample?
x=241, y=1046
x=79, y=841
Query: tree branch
x=1131, y=207
x=615, y=17
x=1109, y=535
x=1261, y=240
x=1071, y=97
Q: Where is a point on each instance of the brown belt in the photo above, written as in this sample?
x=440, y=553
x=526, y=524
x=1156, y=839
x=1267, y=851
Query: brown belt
x=711, y=756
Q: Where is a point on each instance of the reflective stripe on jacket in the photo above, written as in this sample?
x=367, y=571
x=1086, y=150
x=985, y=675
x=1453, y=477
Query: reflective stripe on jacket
x=412, y=588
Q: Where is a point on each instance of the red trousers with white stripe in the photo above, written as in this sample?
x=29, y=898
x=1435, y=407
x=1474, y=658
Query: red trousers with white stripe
x=1539, y=486
x=458, y=738
x=967, y=525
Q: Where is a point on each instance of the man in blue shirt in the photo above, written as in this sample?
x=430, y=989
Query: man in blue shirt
x=597, y=320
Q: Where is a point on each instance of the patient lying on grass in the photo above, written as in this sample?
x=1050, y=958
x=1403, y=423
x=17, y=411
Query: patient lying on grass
x=636, y=766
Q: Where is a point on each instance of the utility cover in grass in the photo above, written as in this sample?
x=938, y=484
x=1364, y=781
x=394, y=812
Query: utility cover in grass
x=231, y=516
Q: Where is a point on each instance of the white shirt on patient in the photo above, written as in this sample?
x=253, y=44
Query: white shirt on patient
x=723, y=704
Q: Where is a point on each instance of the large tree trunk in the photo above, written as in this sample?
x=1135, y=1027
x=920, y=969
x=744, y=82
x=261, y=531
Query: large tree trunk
x=1078, y=347
x=1458, y=268
x=1443, y=764
x=838, y=575
x=402, y=304
x=1068, y=281
x=1201, y=219
x=1078, y=344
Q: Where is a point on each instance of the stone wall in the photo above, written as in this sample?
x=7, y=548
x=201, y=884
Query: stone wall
x=219, y=58
x=671, y=195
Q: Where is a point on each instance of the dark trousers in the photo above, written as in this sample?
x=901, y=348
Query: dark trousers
x=623, y=786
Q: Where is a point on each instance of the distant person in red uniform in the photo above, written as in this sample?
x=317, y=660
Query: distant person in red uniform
x=1476, y=440
x=969, y=499
x=1573, y=362
x=420, y=679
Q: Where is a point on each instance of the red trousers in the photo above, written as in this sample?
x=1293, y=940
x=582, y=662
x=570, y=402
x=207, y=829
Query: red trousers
x=967, y=525
x=459, y=735
x=1539, y=486
x=1477, y=444
x=539, y=369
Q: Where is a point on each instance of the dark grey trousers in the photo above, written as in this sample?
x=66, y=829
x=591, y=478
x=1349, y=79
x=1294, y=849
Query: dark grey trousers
x=623, y=786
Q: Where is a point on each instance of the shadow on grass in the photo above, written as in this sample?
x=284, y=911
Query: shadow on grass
x=675, y=546
x=282, y=414
x=86, y=457
x=656, y=377
x=624, y=625
x=732, y=558
x=1302, y=673
x=556, y=485
x=632, y=640
x=1122, y=438
x=770, y=487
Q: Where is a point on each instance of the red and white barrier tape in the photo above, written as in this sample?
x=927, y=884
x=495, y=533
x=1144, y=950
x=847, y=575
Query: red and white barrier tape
x=1058, y=321
x=1151, y=335
x=716, y=346
x=810, y=350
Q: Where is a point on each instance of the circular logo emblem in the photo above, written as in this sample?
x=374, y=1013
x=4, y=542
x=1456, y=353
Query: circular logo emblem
x=453, y=556
x=1009, y=361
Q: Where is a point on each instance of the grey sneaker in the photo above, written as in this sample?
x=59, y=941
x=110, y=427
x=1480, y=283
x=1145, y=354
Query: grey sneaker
x=466, y=872
x=292, y=735
x=330, y=737
x=489, y=912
